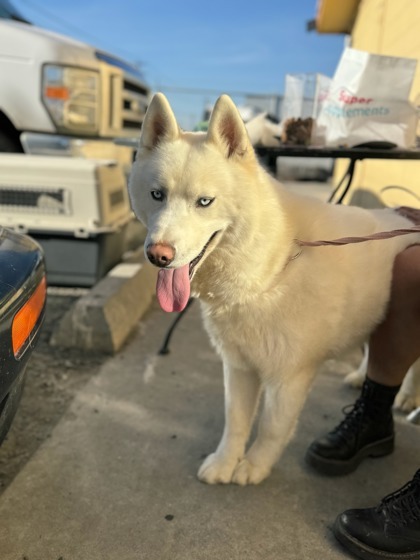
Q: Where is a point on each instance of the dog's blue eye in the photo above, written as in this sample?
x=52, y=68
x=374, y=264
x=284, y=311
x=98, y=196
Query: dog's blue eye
x=204, y=201
x=157, y=195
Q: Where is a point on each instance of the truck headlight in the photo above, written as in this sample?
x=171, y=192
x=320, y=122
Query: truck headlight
x=71, y=96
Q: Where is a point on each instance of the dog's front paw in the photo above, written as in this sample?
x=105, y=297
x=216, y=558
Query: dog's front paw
x=217, y=470
x=406, y=402
x=248, y=473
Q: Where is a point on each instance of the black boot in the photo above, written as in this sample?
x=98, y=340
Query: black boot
x=366, y=431
x=391, y=530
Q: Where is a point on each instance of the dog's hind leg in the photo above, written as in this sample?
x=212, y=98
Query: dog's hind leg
x=242, y=389
x=283, y=402
x=356, y=377
x=408, y=397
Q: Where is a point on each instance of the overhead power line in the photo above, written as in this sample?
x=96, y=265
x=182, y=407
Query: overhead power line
x=70, y=27
x=205, y=91
x=61, y=22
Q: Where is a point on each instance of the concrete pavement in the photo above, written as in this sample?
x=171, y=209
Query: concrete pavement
x=117, y=479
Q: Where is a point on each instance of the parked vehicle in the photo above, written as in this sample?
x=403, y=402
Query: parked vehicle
x=59, y=95
x=22, y=308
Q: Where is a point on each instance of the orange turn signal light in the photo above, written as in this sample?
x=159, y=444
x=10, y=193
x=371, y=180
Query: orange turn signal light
x=57, y=92
x=27, y=317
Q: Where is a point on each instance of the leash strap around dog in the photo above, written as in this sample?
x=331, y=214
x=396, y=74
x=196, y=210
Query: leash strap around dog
x=412, y=214
x=348, y=240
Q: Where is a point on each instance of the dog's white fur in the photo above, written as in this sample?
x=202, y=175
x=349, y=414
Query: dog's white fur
x=408, y=397
x=273, y=318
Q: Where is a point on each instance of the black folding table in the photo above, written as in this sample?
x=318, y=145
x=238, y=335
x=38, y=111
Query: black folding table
x=268, y=157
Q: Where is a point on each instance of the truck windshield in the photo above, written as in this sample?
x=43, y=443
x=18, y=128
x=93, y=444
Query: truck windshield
x=8, y=11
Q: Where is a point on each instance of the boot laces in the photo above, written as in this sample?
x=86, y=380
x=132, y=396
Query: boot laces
x=354, y=414
x=402, y=507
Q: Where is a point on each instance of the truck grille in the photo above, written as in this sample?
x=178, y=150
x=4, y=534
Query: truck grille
x=134, y=104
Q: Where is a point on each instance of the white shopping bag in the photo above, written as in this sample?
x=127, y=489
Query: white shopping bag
x=303, y=95
x=368, y=101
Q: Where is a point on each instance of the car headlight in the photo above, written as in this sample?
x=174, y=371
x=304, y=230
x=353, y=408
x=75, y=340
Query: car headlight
x=71, y=96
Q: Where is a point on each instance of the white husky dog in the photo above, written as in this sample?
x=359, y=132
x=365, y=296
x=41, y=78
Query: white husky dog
x=223, y=230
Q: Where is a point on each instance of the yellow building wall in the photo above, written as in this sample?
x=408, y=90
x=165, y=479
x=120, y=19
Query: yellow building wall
x=367, y=28
x=388, y=27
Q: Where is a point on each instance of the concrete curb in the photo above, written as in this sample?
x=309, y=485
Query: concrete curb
x=103, y=319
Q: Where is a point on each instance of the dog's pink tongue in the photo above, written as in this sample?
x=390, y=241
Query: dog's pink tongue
x=173, y=288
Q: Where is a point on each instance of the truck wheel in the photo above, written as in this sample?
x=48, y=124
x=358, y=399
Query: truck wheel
x=8, y=144
x=9, y=405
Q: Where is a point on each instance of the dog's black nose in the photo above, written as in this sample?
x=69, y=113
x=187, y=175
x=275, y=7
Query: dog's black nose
x=160, y=254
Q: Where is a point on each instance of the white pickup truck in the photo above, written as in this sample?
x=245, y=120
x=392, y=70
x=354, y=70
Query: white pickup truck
x=60, y=96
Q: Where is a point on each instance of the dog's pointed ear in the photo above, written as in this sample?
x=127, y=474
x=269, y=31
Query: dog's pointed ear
x=227, y=129
x=159, y=123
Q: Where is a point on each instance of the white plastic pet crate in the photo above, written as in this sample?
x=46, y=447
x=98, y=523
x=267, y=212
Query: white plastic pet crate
x=77, y=209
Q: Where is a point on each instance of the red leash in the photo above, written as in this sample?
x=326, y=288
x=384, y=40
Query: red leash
x=348, y=240
x=412, y=214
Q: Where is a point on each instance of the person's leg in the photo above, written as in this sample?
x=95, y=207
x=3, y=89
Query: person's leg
x=391, y=529
x=394, y=346
x=367, y=429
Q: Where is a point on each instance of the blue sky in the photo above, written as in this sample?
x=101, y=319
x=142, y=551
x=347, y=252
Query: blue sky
x=219, y=46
